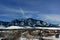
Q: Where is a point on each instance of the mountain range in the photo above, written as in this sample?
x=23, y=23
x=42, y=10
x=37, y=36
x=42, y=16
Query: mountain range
x=27, y=22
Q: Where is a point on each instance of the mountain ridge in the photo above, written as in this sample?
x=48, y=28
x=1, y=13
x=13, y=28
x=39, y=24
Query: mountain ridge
x=27, y=22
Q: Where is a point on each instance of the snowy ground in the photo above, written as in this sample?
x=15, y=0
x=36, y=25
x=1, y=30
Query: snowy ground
x=51, y=38
x=27, y=39
x=0, y=38
x=27, y=27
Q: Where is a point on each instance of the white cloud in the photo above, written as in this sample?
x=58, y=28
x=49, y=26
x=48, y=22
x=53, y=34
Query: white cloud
x=52, y=17
x=21, y=11
x=4, y=8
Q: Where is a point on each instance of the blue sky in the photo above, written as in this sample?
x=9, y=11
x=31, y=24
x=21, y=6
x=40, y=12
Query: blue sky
x=46, y=10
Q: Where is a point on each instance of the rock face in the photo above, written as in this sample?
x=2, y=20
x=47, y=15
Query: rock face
x=27, y=22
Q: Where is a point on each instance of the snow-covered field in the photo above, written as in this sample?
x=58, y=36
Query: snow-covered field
x=28, y=39
x=27, y=27
x=51, y=38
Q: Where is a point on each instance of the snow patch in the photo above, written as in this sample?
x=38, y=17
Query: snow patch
x=14, y=27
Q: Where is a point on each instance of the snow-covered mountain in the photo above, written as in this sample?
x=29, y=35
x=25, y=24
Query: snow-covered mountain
x=27, y=22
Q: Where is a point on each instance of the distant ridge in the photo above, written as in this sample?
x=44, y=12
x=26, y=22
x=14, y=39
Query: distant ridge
x=27, y=22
